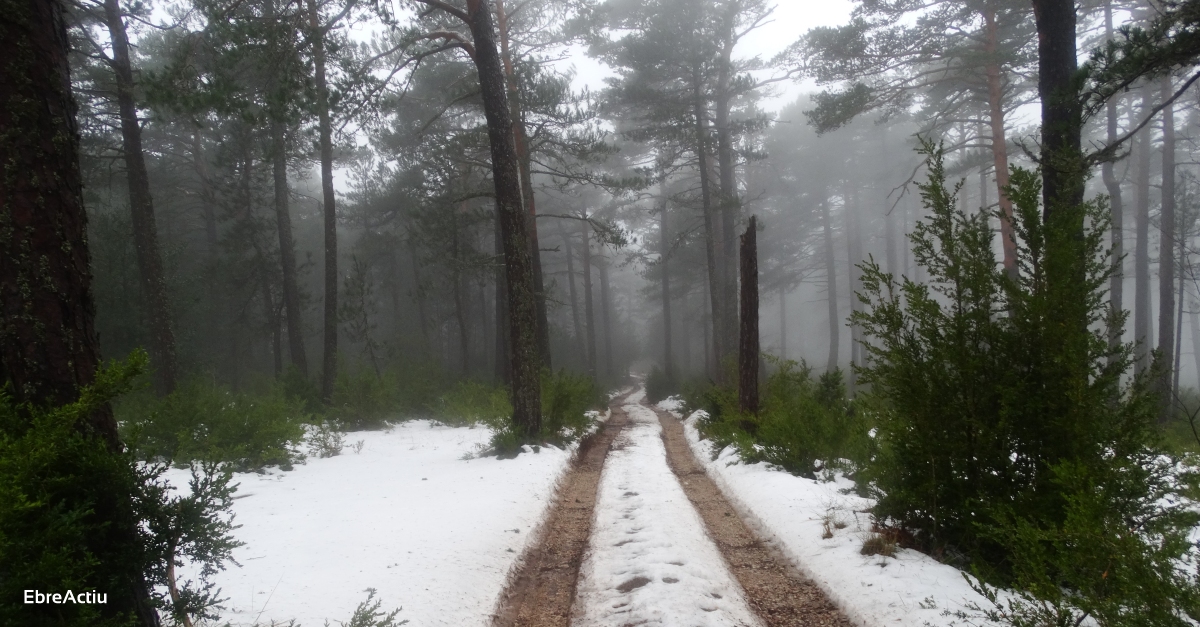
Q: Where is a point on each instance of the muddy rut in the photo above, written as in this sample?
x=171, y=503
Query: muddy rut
x=542, y=592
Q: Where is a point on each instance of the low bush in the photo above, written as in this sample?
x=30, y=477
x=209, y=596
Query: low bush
x=805, y=425
x=566, y=400
x=363, y=399
x=471, y=403
x=204, y=421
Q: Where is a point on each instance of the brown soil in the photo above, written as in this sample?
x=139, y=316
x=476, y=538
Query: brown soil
x=543, y=589
x=776, y=592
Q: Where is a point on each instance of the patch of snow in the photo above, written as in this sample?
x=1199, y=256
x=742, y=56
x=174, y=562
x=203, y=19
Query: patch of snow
x=435, y=532
x=650, y=560
x=673, y=404
x=910, y=590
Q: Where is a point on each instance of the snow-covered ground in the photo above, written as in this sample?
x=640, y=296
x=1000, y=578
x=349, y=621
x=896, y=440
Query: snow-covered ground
x=650, y=560
x=910, y=589
x=436, y=533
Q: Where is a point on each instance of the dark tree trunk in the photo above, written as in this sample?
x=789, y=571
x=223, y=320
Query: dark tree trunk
x=460, y=306
x=1141, y=252
x=522, y=293
x=329, y=209
x=665, y=279
x=1062, y=111
x=1166, y=258
x=605, y=310
x=588, y=311
x=287, y=250
x=712, y=247
x=748, y=349
x=141, y=209
x=521, y=143
x=1116, y=286
x=576, y=325
x=48, y=342
x=853, y=256
x=831, y=288
x=503, y=373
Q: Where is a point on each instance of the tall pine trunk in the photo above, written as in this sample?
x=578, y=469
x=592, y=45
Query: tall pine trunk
x=575, y=323
x=287, y=250
x=605, y=311
x=712, y=246
x=729, y=202
x=48, y=343
x=1116, y=286
x=748, y=345
x=588, y=311
x=665, y=279
x=141, y=209
x=831, y=288
x=329, y=209
x=1141, y=252
x=995, y=91
x=1166, y=258
x=1062, y=111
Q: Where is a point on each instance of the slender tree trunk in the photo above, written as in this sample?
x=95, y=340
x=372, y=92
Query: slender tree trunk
x=48, y=343
x=1116, y=286
x=605, y=309
x=419, y=296
x=522, y=293
x=1166, y=257
x=1194, y=316
x=1179, y=294
x=782, y=324
x=588, y=310
x=1141, y=253
x=141, y=209
x=853, y=256
x=576, y=324
x=729, y=202
x=995, y=86
x=831, y=288
x=748, y=346
x=716, y=284
x=460, y=307
x=287, y=250
x=665, y=278
x=521, y=143
x=329, y=207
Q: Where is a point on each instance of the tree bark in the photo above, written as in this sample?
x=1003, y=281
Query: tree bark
x=287, y=250
x=853, y=255
x=1141, y=253
x=995, y=87
x=524, y=159
x=605, y=310
x=329, y=209
x=1062, y=111
x=712, y=247
x=665, y=278
x=1194, y=316
x=48, y=343
x=503, y=373
x=729, y=202
x=588, y=311
x=831, y=288
x=748, y=346
x=576, y=324
x=1166, y=258
x=141, y=209
x=460, y=307
x=1116, y=286
x=522, y=294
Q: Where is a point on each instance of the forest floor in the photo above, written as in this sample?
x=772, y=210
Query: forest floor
x=642, y=524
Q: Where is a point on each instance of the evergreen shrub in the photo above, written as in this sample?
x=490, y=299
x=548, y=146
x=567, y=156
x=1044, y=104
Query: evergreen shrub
x=204, y=421
x=366, y=399
x=804, y=425
x=1006, y=435
x=77, y=516
x=566, y=401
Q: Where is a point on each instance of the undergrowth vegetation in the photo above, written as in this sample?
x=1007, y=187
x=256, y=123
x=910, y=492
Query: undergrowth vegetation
x=806, y=424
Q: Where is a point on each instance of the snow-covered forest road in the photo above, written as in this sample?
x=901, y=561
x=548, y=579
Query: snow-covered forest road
x=663, y=545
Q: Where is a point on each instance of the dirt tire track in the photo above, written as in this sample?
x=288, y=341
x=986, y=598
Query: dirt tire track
x=543, y=589
x=777, y=593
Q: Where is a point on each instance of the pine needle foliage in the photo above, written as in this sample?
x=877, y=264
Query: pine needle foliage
x=1007, y=439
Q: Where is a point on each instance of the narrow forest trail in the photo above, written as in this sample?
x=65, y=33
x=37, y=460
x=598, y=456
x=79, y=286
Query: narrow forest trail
x=639, y=535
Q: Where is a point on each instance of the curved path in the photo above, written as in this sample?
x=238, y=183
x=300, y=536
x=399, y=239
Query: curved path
x=639, y=535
